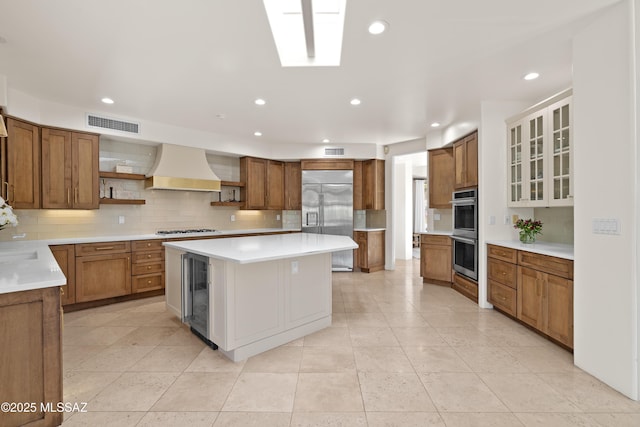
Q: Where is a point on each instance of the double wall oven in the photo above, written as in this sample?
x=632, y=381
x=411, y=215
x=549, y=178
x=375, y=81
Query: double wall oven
x=465, y=232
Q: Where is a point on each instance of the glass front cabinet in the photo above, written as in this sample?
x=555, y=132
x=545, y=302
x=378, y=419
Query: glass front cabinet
x=539, y=153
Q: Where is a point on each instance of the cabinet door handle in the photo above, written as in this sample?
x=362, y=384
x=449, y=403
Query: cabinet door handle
x=148, y=282
x=75, y=195
x=149, y=256
x=6, y=195
x=68, y=196
x=148, y=267
x=104, y=248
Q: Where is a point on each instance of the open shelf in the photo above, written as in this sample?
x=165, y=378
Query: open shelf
x=122, y=201
x=117, y=175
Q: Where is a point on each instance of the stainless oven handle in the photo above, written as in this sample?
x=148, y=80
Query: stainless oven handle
x=465, y=202
x=463, y=240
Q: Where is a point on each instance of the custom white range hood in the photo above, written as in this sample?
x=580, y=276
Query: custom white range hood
x=181, y=168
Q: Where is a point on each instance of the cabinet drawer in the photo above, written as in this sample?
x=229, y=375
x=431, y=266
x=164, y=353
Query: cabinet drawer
x=104, y=248
x=147, y=257
x=147, y=282
x=549, y=264
x=146, y=245
x=155, y=267
x=432, y=239
x=503, y=297
x=502, y=253
x=502, y=272
x=466, y=287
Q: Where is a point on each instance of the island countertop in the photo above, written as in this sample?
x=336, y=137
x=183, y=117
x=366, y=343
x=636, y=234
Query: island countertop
x=244, y=250
x=28, y=265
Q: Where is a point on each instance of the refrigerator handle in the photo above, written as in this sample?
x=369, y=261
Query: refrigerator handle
x=321, y=219
x=312, y=219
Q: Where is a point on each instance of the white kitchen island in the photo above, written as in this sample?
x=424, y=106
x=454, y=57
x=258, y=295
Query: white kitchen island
x=264, y=291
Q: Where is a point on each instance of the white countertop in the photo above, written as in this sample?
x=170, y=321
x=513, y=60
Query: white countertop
x=369, y=229
x=438, y=233
x=28, y=265
x=558, y=250
x=119, y=237
x=243, y=250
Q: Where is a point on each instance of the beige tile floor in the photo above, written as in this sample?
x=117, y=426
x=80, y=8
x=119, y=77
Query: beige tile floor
x=399, y=353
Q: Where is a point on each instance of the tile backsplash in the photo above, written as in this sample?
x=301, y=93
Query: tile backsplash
x=557, y=224
x=163, y=209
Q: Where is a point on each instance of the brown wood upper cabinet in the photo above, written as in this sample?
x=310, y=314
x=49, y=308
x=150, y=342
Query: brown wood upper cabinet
x=264, y=183
x=70, y=175
x=21, y=170
x=373, y=184
x=358, y=200
x=441, y=174
x=465, y=154
x=292, y=186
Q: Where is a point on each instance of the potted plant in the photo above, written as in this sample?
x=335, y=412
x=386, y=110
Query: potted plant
x=529, y=228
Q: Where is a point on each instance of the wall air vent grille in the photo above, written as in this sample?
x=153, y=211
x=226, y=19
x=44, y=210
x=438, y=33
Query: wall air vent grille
x=334, y=151
x=107, y=123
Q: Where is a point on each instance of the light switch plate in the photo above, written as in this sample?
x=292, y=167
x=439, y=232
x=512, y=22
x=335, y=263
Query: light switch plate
x=605, y=226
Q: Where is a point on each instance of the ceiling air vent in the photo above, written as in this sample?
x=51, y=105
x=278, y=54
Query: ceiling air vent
x=334, y=151
x=106, y=123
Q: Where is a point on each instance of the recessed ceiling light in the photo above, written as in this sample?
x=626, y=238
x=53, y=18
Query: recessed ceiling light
x=107, y=100
x=531, y=76
x=435, y=124
x=257, y=133
x=260, y=101
x=355, y=101
x=326, y=140
x=2, y=40
x=221, y=116
x=378, y=27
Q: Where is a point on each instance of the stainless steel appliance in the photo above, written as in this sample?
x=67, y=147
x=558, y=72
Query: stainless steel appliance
x=465, y=213
x=327, y=208
x=195, y=301
x=465, y=256
x=465, y=232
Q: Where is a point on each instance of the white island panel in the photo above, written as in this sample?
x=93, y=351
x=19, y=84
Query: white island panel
x=265, y=291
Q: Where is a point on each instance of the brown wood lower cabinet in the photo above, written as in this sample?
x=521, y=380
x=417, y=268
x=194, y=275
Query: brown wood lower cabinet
x=435, y=259
x=65, y=256
x=536, y=289
x=31, y=368
x=369, y=256
x=103, y=276
x=466, y=287
x=147, y=273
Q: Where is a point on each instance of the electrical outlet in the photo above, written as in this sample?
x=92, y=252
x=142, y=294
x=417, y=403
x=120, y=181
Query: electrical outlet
x=492, y=220
x=294, y=267
x=277, y=217
x=233, y=218
x=514, y=219
x=436, y=217
x=120, y=219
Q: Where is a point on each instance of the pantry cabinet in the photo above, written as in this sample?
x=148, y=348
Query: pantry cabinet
x=358, y=201
x=70, y=175
x=441, y=178
x=540, y=155
x=21, y=180
x=465, y=154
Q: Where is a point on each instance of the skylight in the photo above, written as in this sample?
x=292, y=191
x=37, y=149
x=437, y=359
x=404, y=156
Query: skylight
x=323, y=47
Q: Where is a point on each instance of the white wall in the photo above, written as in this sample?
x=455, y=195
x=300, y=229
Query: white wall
x=606, y=174
x=403, y=208
x=492, y=183
x=47, y=113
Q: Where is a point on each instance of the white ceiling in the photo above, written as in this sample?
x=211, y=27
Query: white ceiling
x=184, y=62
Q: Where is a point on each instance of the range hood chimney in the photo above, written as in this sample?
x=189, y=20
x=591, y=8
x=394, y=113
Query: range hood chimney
x=181, y=168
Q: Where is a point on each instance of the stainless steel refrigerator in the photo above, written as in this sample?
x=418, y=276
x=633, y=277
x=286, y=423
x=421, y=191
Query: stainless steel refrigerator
x=327, y=208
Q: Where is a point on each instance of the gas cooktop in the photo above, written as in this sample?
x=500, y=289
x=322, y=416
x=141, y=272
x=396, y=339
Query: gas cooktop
x=186, y=231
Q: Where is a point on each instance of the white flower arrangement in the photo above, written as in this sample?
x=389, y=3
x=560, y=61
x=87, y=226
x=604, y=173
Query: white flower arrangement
x=7, y=217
